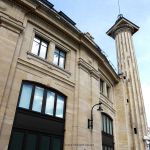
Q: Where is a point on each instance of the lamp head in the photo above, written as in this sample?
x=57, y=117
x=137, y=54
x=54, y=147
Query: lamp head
x=99, y=108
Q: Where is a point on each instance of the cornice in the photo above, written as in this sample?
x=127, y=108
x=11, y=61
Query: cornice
x=11, y=23
x=88, y=68
x=28, y=65
x=121, y=28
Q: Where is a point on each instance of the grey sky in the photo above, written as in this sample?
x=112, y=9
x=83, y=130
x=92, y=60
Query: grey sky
x=97, y=16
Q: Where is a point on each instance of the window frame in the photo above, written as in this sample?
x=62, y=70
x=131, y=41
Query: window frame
x=38, y=136
x=43, y=107
x=58, y=62
x=39, y=49
x=107, y=138
x=107, y=123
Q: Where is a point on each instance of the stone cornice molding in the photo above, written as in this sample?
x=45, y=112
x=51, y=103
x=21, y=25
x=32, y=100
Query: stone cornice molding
x=11, y=23
x=28, y=65
x=88, y=68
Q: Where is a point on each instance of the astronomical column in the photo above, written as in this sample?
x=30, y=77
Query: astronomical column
x=122, y=32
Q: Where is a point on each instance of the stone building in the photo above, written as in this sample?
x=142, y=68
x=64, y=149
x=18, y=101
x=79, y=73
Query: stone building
x=53, y=78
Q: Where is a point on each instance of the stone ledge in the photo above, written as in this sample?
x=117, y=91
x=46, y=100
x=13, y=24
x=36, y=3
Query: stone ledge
x=48, y=72
x=48, y=64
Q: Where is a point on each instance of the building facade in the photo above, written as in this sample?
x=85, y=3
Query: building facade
x=53, y=78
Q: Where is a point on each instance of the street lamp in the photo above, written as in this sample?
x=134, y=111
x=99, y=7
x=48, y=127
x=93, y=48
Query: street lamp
x=90, y=121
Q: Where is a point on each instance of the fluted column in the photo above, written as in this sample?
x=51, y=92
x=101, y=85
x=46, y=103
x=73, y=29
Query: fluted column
x=122, y=32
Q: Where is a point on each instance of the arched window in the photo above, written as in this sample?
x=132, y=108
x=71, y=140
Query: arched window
x=37, y=98
x=39, y=120
x=107, y=132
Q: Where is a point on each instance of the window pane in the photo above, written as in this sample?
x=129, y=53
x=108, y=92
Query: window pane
x=111, y=130
x=104, y=123
x=25, y=96
x=108, y=121
x=43, y=50
x=55, y=61
x=61, y=62
x=101, y=85
x=57, y=51
x=44, y=143
x=56, y=144
x=16, y=141
x=35, y=46
x=44, y=44
x=60, y=106
x=30, y=142
x=50, y=103
x=37, y=40
x=37, y=101
x=62, y=53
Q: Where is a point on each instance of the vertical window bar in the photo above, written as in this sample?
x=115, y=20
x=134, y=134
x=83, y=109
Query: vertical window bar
x=44, y=101
x=32, y=96
x=54, y=111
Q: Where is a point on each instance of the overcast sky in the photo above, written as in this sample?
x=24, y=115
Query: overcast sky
x=96, y=17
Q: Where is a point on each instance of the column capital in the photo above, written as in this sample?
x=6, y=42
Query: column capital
x=122, y=24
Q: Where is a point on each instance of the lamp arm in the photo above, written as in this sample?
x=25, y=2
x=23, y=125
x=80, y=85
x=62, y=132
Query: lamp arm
x=92, y=109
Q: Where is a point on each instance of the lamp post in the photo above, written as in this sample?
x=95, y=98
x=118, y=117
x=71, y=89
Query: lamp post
x=90, y=121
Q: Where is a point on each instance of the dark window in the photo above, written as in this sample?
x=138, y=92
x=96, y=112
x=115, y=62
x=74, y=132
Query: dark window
x=27, y=140
x=56, y=143
x=135, y=131
x=17, y=139
x=59, y=58
x=107, y=133
x=44, y=143
x=30, y=142
x=105, y=147
x=101, y=86
x=107, y=124
x=39, y=47
x=40, y=99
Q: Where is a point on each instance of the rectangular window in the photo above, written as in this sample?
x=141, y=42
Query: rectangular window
x=107, y=124
x=39, y=47
x=101, y=86
x=59, y=58
x=26, y=140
